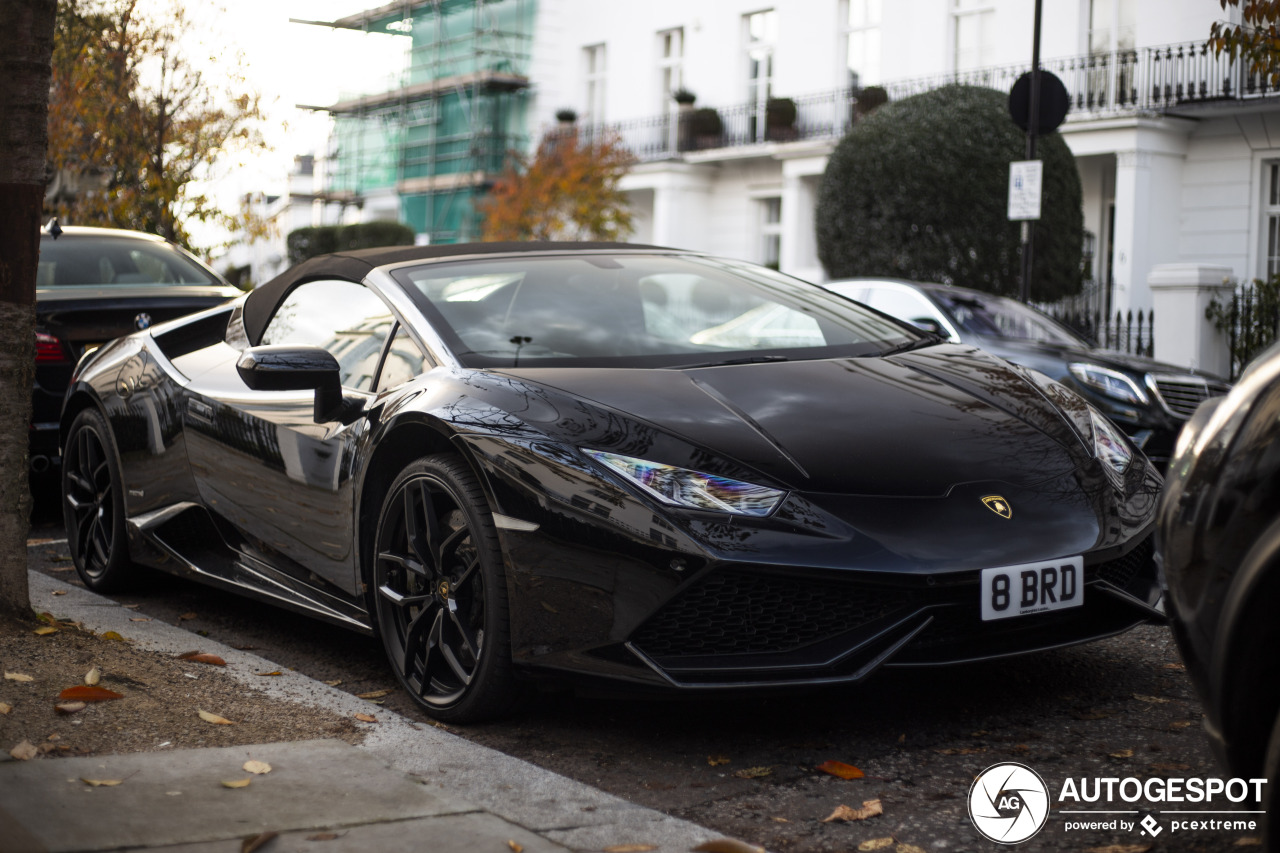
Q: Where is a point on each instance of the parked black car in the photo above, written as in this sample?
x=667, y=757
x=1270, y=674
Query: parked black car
x=656, y=467
x=96, y=284
x=1219, y=540
x=1148, y=399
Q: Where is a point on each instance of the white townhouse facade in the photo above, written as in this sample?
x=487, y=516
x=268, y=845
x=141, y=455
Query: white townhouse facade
x=1179, y=152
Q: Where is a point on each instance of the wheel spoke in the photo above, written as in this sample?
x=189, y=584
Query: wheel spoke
x=467, y=574
x=101, y=544
x=402, y=600
x=402, y=560
x=433, y=651
x=467, y=635
x=455, y=665
x=414, y=635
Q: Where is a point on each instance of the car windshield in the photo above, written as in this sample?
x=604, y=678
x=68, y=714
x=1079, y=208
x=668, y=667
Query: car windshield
x=634, y=310
x=998, y=317
x=104, y=261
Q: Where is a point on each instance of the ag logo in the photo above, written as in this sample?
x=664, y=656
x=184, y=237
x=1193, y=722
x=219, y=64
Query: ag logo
x=1008, y=803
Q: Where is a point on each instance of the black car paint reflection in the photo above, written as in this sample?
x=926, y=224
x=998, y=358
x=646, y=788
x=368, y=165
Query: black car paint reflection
x=871, y=556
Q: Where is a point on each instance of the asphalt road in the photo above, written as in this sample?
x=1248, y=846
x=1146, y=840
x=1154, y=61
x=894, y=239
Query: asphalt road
x=748, y=766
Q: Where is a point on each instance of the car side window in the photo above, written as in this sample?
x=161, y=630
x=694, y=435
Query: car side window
x=404, y=361
x=907, y=305
x=345, y=318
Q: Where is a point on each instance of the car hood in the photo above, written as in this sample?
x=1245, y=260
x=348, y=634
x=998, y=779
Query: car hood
x=911, y=425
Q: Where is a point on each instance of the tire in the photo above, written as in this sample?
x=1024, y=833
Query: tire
x=93, y=505
x=439, y=593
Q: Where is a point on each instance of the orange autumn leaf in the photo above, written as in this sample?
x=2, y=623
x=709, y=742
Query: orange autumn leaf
x=839, y=768
x=202, y=657
x=870, y=808
x=87, y=693
x=366, y=718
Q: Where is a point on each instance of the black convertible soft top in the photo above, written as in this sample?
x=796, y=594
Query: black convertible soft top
x=354, y=265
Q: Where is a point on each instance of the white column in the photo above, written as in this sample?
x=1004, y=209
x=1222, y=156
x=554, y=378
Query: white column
x=1148, y=200
x=681, y=196
x=1183, y=336
x=800, y=179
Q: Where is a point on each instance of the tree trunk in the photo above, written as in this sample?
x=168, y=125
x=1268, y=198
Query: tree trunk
x=26, y=45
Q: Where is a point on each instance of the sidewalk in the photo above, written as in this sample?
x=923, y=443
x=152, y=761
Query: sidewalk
x=407, y=787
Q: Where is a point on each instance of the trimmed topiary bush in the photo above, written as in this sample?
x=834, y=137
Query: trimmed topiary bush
x=919, y=190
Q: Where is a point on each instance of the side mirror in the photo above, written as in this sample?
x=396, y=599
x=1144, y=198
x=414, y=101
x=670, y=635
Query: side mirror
x=295, y=368
x=930, y=325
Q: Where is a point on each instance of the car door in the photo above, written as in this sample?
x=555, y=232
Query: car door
x=264, y=467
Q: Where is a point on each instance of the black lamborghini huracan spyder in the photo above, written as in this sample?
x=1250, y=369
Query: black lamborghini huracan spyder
x=622, y=461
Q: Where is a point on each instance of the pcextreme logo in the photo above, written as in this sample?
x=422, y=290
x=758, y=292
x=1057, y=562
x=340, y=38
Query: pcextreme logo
x=1009, y=803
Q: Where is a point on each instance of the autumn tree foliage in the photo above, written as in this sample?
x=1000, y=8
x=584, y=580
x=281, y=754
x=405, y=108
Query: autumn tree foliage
x=134, y=122
x=1256, y=39
x=568, y=191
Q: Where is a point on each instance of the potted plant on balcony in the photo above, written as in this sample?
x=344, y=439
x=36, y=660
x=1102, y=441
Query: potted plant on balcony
x=780, y=119
x=868, y=100
x=684, y=98
x=706, y=127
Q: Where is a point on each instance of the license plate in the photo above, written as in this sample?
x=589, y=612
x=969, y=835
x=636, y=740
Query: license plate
x=1032, y=588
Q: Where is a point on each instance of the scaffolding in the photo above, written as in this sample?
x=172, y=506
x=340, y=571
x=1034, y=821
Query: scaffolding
x=439, y=133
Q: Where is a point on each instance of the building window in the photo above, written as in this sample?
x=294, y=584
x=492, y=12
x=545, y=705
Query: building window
x=771, y=232
x=1113, y=26
x=761, y=30
x=594, y=61
x=1271, y=217
x=975, y=34
x=861, y=24
x=670, y=65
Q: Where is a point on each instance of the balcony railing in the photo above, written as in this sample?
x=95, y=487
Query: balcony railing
x=1146, y=80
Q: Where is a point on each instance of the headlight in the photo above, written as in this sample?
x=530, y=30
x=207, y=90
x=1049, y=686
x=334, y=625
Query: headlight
x=1110, y=444
x=1110, y=382
x=692, y=489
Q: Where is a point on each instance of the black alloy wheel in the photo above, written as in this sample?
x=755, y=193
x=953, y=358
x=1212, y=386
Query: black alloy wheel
x=93, y=505
x=439, y=592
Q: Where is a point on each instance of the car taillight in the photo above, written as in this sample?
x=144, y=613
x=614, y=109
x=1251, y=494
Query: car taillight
x=50, y=350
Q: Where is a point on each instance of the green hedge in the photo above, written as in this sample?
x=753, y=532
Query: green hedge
x=323, y=239
x=919, y=190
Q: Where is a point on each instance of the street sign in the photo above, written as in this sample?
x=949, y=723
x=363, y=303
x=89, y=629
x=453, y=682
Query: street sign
x=1025, y=180
x=1054, y=102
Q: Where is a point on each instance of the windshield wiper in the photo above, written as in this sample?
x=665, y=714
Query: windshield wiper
x=907, y=346
x=750, y=359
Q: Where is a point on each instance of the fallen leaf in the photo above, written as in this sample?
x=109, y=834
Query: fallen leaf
x=59, y=591
x=237, y=783
x=1182, y=724
x=1120, y=848
x=101, y=783
x=627, y=848
x=1122, y=753
x=24, y=751
x=184, y=617
x=1179, y=667
x=870, y=808
x=727, y=845
x=139, y=619
x=87, y=693
x=273, y=672
x=323, y=836
x=69, y=707
x=254, y=842
x=47, y=618
x=45, y=631
x=216, y=720
x=93, y=676
x=131, y=606
x=5, y=707
x=374, y=694
x=717, y=760
x=839, y=768
x=780, y=820
x=515, y=848
x=964, y=750
x=902, y=738
x=753, y=772
x=548, y=607
x=1154, y=700
x=1249, y=841
x=201, y=657
x=875, y=844
x=256, y=767
x=18, y=676
x=112, y=635
x=366, y=718
x=334, y=683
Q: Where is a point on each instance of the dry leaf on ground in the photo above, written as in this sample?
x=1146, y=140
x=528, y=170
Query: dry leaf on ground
x=18, y=676
x=254, y=842
x=202, y=657
x=273, y=672
x=45, y=631
x=334, y=683
x=366, y=718
x=101, y=783
x=1181, y=724
x=1154, y=700
x=24, y=751
x=753, y=772
x=237, y=783
x=1249, y=841
x=86, y=693
x=112, y=635
x=839, y=768
x=727, y=845
x=256, y=767
x=717, y=760
x=5, y=707
x=186, y=617
x=630, y=848
x=69, y=707
x=215, y=719
x=1121, y=753
x=374, y=694
x=93, y=676
x=515, y=846
x=59, y=591
x=875, y=844
x=870, y=808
